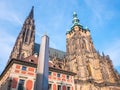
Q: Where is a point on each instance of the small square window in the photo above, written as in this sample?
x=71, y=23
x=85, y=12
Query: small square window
x=50, y=73
x=24, y=68
x=58, y=75
x=67, y=76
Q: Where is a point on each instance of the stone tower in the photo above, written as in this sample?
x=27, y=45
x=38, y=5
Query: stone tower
x=80, y=51
x=25, y=41
x=92, y=69
x=81, y=54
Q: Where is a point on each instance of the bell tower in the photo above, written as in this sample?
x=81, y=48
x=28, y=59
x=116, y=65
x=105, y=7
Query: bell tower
x=78, y=38
x=24, y=44
x=80, y=51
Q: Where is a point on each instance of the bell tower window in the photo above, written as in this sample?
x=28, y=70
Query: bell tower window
x=26, y=38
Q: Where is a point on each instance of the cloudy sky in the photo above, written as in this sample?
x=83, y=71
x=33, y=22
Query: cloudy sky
x=102, y=17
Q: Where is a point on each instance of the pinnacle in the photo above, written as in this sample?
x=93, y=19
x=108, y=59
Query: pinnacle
x=31, y=14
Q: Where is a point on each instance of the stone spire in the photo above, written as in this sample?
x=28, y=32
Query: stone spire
x=31, y=14
x=25, y=42
x=42, y=68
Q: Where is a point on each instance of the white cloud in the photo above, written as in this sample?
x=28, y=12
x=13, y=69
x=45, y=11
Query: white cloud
x=6, y=40
x=101, y=15
x=16, y=19
x=100, y=12
x=7, y=14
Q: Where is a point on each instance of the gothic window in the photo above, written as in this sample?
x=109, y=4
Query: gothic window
x=104, y=73
x=82, y=44
x=21, y=84
x=31, y=21
x=26, y=36
x=31, y=34
x=27, y=22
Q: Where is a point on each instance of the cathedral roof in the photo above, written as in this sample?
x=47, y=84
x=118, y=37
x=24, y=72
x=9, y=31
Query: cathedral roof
x=53, y=52
x=34, y=59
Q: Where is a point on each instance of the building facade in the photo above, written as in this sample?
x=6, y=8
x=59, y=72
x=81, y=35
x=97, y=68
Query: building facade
x=81, y=67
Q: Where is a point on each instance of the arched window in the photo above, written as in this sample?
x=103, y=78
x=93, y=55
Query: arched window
x=24, y=34
x=26, y=38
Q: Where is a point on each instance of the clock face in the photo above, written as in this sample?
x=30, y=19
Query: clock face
x=76, y=28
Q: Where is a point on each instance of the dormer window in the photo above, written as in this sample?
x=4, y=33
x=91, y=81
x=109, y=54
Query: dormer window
x=31, y=60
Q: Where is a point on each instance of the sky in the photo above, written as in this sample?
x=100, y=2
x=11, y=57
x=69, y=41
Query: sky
x=102, y=17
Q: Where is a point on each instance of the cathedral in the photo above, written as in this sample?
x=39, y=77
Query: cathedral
x=80, y=67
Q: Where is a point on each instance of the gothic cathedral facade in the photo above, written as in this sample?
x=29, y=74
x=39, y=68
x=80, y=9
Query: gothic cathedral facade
x=81, y=67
